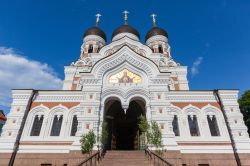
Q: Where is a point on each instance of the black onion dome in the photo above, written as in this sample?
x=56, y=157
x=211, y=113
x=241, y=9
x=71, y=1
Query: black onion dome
x=95, y=31
x=125, y=29
x=156, y=31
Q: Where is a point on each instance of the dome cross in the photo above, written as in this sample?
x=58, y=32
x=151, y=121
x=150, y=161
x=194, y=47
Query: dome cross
x=98, y=15
x=153, y=18
x=125, y=17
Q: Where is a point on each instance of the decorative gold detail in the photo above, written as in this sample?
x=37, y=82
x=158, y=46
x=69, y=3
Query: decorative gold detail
x=125, y=76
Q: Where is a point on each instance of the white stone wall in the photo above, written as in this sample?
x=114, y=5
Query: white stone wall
x=157, y=90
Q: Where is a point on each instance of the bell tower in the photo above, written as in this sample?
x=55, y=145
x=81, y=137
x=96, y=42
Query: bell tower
x=157, y=39
x=93, y=39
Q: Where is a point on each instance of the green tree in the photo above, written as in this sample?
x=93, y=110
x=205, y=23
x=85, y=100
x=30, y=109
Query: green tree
x=143, y=126
x=244, y=103
x=87, y=142
x=155, y=136
x=104, y=135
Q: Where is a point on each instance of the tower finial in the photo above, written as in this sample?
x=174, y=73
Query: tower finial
x=98, y=15
x=154, y=20
x=126, y=17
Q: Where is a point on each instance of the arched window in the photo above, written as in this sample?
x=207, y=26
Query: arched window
x=213, y=125
x=160, y=49
x=175, y=126
x=193, y=125
x=74, y=126
x=57, y=124
x=37, y=125
x=90, y=48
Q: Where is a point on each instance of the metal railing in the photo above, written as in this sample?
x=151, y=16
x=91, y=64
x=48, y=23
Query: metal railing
x=92, y=160
x=155, y=159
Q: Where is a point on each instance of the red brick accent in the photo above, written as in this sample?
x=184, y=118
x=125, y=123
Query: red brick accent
x=53, y=104
x=197, y=104
x=73, y=87
x=175, y=78
x=76, y=78
x=177, y=87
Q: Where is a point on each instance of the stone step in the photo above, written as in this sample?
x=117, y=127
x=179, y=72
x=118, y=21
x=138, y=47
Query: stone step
x=124, y=158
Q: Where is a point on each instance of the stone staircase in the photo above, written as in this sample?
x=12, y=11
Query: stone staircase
x=125, y=158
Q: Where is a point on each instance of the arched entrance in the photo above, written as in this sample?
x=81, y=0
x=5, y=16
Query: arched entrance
x=123, y=132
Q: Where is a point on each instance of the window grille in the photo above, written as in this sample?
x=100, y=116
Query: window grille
x=175, y=126
x=213, y=125
x=193, y=125
x=56, y=127
x=37, y=125
x=74, y=126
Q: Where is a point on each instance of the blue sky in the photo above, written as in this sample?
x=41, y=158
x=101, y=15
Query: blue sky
x=210, y=37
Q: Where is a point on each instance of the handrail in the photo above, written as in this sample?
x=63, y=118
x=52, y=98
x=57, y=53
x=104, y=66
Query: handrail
x=89, y=161
x=156, y=159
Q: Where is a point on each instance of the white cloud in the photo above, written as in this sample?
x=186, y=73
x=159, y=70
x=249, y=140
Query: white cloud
x=17, y=71
x=195, y=66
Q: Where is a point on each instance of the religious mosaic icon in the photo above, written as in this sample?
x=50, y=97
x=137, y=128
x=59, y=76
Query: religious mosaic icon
x=125, y=76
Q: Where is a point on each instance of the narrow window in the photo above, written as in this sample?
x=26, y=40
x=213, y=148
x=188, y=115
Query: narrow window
x=213, y=125
x=175, y=126
x=56, y=127
x=37, y=125
x=193, y=125
x=90, y=48
x=160, y=49
x=74, y=126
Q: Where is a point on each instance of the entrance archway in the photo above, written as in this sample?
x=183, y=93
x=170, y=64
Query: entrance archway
x=123, y=132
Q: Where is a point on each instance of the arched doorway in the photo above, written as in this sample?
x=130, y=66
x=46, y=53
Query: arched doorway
x=123, y=132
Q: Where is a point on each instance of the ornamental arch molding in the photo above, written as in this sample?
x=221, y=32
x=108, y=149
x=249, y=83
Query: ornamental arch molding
x=125, y=96
x=211, y=109
x=126, y=40
x=140, y=94
x=174, y=110
x=131, y=68
x=38, y=110
x=125, y=54
x=59, y=110
x=191, y=110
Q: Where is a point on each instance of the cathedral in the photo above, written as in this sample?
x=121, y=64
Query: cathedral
x=117, y=82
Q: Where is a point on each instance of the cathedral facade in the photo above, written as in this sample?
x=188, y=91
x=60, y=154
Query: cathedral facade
x=117, y=82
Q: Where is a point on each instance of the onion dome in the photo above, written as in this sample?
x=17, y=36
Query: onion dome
x=95, y=31
x=156, y=31
x=125, y=29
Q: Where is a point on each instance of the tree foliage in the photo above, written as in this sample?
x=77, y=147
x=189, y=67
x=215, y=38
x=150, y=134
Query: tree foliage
x=143, y=124
x=87, y=142
x=154, y=136
x=152, y=132
x=244, y=103
x=104, y=135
